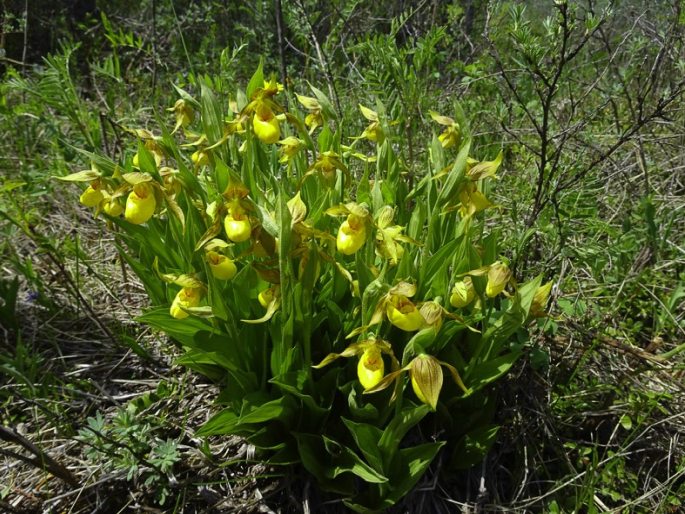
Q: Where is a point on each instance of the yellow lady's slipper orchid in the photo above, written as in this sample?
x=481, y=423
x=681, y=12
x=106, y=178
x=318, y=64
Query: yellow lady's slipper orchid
x=374, y=132
x=351, y=235
x=92, y=196
x=111, y=206
x=388, y=237
x=476, y=170
x=184, y=114
x=537, y=308
x=314, y=118
x=371, y=368
x=200, y=158
x=221, y=266
x=267, y=296
x=499, y=275
x=266, y=126
x=463, y=293
x=402, y=313
x=187, y=297
x=140, y=204
x=326, y=164
x=451, y=136
x=172, y=184
x=290, y=147
x=426, y=379
x=425, y=373
x=472, y=200
x=271, y=88
x=237, y=226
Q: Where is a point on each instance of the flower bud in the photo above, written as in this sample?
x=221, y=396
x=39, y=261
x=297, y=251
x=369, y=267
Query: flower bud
x=371, y=368
x=463, y=293
x=221, y=266
x=140, y=204
x=537, y=308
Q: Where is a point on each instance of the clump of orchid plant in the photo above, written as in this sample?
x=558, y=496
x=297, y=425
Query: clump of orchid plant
x=292, y=265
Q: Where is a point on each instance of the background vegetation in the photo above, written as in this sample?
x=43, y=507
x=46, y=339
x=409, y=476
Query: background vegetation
x=584, y=98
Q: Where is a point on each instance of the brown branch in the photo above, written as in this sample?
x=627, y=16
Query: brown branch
x=42, y=460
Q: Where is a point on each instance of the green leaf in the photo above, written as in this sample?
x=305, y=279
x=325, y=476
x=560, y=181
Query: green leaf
x=8, y=302
x=370, y=298
x=211, y=364
x=367, y=438
x=221, y=423
x=326, y=105
x=256, y=81
x=102, y=163
x=211, y=115
x=79, y=176
x=296, y=383
x=455, y=176
x=525, y=295
x=328, y=459
x=183, y=330
x=227, y=422
x=433, y=280
x=207, y=364
x=186, y=96
x=626, y=422
x=418, y=344
x=347, y=461
x=409, y=466
x=483, y=374
x=473, y=446
x=239, y=384
x=146, y=162
x=400, y=424
x=319, y=463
